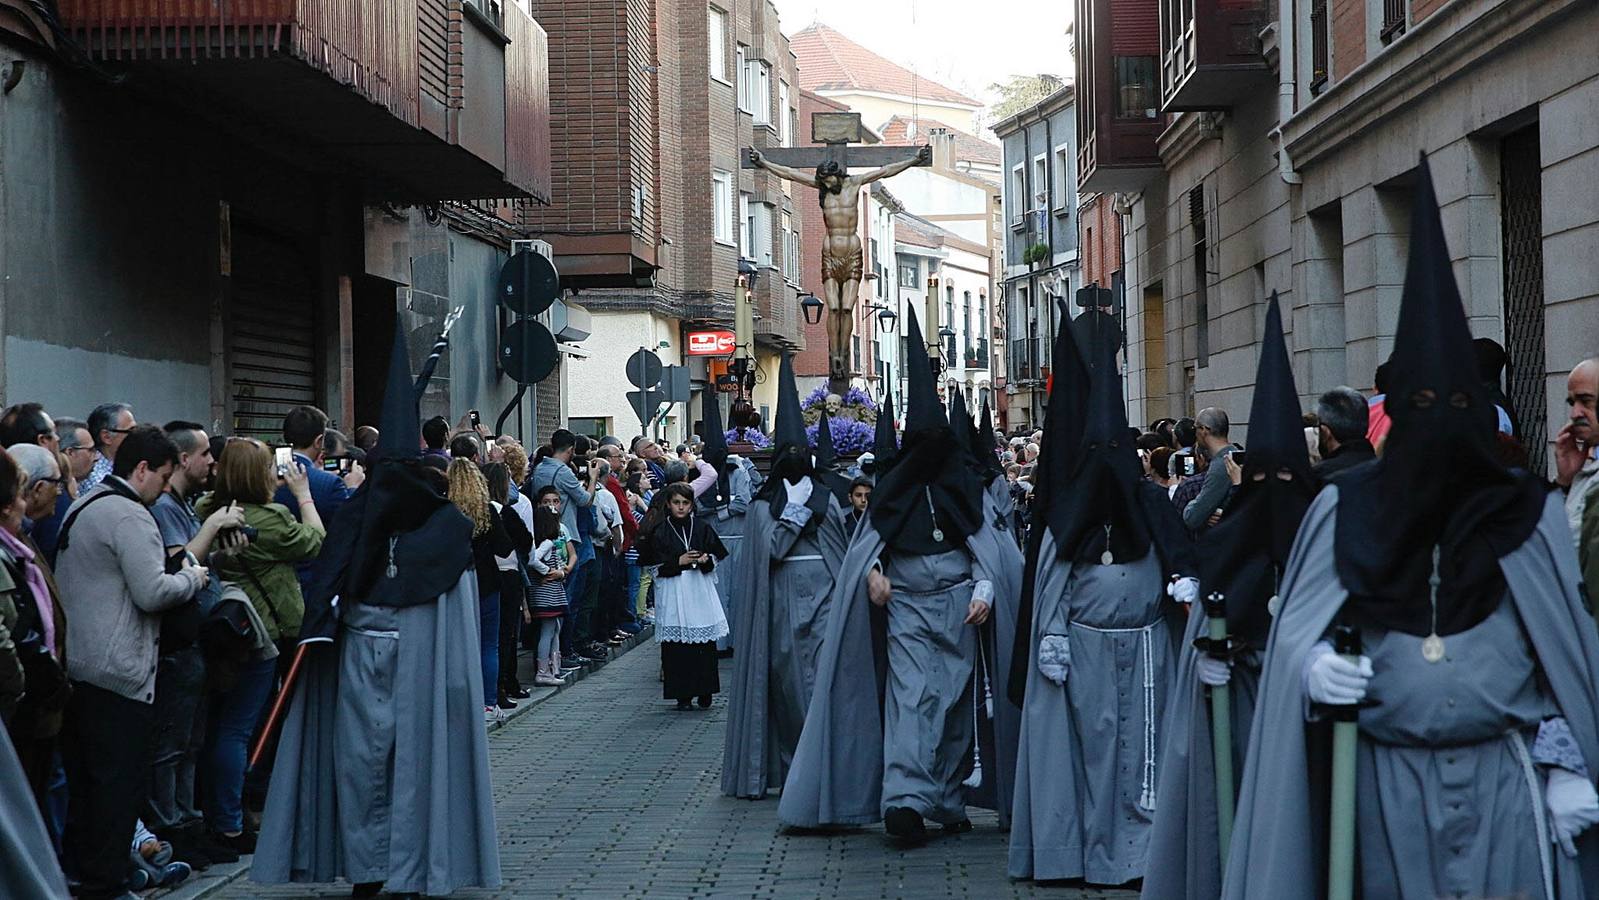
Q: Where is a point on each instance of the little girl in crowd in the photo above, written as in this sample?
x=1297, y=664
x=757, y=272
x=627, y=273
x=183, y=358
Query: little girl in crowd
x=549, y=561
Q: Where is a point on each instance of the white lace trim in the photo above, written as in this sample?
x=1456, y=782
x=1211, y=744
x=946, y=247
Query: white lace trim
x=681, y=634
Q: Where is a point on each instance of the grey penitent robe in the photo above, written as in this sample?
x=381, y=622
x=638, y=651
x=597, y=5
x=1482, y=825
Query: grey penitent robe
x=382, y=771
x=1447, y=802
x=786, y=583
x=1087, y=761
x=891, y=717
x=28, y=866
x=1184, y=842
x=727, y=521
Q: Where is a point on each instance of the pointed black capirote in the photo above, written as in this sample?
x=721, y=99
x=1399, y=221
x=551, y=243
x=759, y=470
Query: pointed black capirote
x=885, y=443
x=1438, y=483
x=1242, y=557
x=789, y=429
x=715, y=450
x=1276, y=428
x=985, y=426
x=923, y=411
x=400, y=426
x=932, y=500
x=826, y=456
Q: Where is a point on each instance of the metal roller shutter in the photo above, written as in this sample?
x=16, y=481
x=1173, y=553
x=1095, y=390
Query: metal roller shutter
x=271, y=334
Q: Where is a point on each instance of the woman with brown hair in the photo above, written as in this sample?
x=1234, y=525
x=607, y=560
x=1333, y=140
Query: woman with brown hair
x=265, y=571
x=469, y=491
x=689, y=615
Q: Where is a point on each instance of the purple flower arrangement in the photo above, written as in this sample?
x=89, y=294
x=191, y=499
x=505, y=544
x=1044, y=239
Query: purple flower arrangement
x=850, y=436
x=750, y=435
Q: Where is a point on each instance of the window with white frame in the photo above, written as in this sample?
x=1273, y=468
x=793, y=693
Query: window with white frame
x=1040, y=183
x=741, y=66
x=762, y=215
x=1064, y=191
x=785, y=117
x=716, y=37
x=1018, y=194
x=790, y=249
x=761, y=92
x=746, y=218
x=722, y=206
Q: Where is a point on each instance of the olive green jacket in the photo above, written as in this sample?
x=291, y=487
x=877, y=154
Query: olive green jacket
x=280, y=542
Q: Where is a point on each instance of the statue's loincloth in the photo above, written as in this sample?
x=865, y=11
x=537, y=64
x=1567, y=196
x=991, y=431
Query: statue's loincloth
x=848, y=268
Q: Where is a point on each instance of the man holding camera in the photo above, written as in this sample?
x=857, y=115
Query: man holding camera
x=305, y=430
x=171, y=811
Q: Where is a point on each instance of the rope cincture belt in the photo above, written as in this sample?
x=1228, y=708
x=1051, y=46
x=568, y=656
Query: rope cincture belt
x=1146, y=794
x=1519, y=745
x=367, y=632
x=809, y=557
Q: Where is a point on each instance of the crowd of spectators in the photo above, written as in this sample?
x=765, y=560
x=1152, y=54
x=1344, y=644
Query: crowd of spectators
x=152, y=586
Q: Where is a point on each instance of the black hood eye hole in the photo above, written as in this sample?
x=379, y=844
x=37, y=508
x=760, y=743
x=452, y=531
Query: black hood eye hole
x=1113, y=443
x=1093, y=445
x=1460, y=400
x=1423, y=399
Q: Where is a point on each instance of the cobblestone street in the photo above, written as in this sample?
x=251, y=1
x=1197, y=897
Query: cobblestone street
x=605, y=791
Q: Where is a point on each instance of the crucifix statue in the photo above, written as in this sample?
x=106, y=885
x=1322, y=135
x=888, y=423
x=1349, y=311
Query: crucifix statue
x=826, y=168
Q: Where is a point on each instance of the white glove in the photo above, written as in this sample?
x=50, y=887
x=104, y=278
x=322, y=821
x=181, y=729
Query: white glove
x=1183, y=590
x=1054, y=657
x=1213, y=672
x=799, y=493
x=1573, y=806
x=1331, y=679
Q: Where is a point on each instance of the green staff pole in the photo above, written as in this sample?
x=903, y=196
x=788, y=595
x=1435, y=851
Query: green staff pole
x=1341, y=833
x=1221, y=726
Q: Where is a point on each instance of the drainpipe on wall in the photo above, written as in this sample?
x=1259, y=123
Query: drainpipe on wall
x=1287, y=61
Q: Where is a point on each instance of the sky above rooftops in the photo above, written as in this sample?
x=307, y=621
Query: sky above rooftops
x=965, y=44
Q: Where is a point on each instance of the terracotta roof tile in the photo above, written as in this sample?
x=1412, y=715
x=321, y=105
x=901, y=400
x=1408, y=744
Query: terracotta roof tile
x=968, y=147
x=917, y=232
x=830, y=61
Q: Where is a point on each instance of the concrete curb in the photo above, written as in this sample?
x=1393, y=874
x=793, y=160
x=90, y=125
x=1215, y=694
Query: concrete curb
x=214, y=879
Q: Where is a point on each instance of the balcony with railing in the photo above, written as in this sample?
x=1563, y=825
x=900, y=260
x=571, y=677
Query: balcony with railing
x=1210, y=52
x=1395, y=19
x=1119, y=120
x=418, y=99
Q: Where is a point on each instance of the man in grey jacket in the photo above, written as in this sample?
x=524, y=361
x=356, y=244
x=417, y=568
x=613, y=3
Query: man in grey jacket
x=112, y=570
x=1211, y=427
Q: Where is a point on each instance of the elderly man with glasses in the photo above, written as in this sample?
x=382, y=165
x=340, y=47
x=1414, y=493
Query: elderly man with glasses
x=77, y=447
x=109, y=424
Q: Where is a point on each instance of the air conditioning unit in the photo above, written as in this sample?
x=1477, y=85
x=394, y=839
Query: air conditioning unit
x=542, y=248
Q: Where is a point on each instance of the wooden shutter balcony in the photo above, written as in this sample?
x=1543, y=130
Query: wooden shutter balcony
x=419, y=99
x=1210, y=53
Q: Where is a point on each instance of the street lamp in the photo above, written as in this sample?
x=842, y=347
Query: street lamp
x=885, y=315
x=812, y=308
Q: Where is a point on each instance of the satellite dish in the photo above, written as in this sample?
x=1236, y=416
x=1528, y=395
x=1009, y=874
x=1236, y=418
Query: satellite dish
x=528, y=283
x=527, y=352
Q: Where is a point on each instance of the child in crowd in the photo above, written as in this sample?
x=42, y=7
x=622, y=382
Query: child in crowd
x=689, y=615
x=550, y=567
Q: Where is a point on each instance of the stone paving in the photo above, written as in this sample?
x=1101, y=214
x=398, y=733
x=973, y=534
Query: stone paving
x=604, y=790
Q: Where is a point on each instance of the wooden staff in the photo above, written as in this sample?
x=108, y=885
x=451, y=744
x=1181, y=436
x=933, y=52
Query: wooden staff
x=1341, y=833
x=275, y=718
x=1221, y=724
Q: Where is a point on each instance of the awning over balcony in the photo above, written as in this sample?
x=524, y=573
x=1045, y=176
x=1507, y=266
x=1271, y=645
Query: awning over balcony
x=393, y=92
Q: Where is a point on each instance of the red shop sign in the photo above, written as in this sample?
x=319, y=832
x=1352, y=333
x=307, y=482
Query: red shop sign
x=711, y=343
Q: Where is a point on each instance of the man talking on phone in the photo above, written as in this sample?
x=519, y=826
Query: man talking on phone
x=1576, y=462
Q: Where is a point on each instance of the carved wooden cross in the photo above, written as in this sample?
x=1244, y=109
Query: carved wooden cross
x=826, y=168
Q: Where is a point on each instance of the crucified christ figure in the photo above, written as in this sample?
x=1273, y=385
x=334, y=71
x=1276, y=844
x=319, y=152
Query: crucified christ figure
x=842, y=264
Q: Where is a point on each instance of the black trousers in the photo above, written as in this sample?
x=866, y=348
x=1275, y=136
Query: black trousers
x=106, y=748
x=511, y=599
x=689, y=670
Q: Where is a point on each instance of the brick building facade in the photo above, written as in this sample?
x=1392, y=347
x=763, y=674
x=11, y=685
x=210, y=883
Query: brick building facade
x=653, y=100
x=1296, y=177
